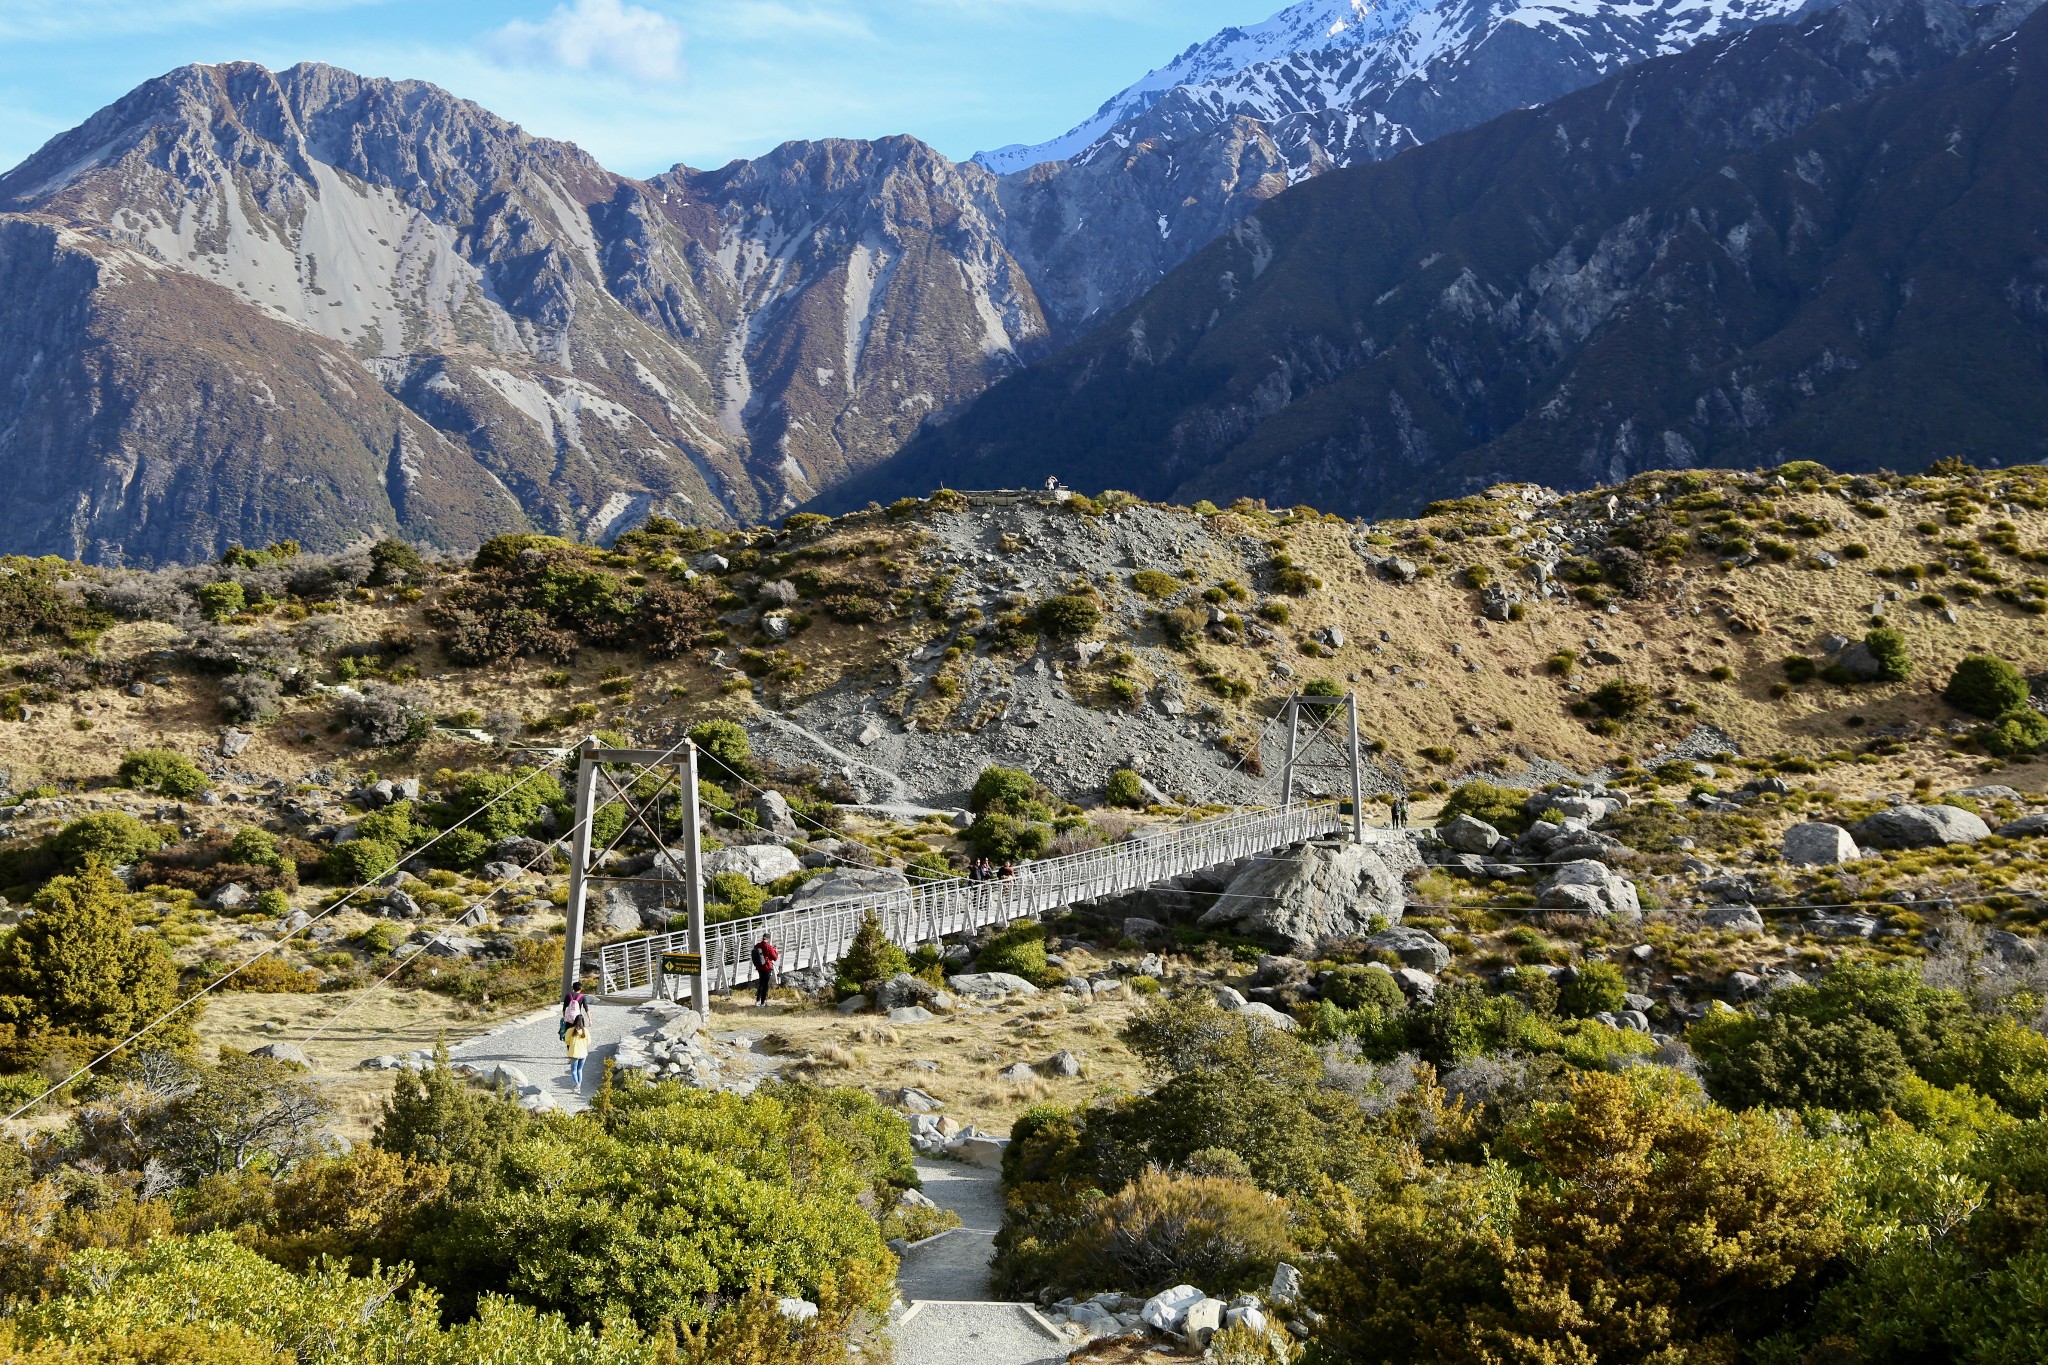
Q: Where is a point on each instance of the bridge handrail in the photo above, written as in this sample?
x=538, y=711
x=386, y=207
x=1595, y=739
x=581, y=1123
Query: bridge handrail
x=821, y=932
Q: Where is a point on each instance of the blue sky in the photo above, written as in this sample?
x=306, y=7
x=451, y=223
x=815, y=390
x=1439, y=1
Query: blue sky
x=642, y=84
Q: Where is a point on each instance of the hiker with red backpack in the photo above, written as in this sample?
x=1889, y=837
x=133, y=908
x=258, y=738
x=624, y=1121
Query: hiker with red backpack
x=766, y=955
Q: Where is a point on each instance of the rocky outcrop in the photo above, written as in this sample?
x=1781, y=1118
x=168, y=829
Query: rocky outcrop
x=1589, y=888
x=1324, y=891
x=1921, y=827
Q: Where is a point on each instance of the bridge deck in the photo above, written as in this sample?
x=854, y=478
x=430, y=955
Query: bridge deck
x=820, y=934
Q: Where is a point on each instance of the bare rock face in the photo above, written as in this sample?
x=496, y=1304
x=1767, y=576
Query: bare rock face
x=1324, y=891
x=758, y=863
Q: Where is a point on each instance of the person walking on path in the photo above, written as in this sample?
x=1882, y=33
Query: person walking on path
x=574, y=1007
x=577, y=1037
x=766, y=955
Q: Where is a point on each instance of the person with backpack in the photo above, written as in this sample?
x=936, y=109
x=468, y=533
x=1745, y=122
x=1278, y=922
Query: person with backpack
x=574, y=1007
x=577, y=1037
x=766, y=955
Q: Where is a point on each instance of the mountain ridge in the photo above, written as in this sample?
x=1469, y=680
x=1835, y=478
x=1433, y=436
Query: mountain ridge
x=1539, y=299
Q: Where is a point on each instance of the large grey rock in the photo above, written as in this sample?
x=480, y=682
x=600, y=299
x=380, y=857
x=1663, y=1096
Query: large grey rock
x=990, y=985
x=1416, y=948
x=1269, y=1016
x=758, y=863
x=1591, y=888
x=772, y=810
x=846, y=883
x=1325, y=891
x=1921, y=827
x=2010, y=947
x=233, y=896
x=903, y=990
x=1468, y=835
x=1062, y=1064
x=1742, y=919
x=284, y=1052
x=1168, y=1309
x=1227, y=997
x=1418, y=986
x=1142, y=930
x=1814, y=844
x=911, y=1014
x=2024, y=827
x=615, y=911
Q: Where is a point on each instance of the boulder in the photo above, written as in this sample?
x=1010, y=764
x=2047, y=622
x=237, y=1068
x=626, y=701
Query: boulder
x=846, y=883
x=1141, y=930
x=519, y=849
x=911, y=1014
x=1062, y=1064
x=1921, y=827
x=902, y=991
x=1742, y=919
x=614, y=912
x=1590, y=888
x=977, y=1150
x=1204, y=1320
x=1744, y=986
x=454, y=946
x=1327, y=890
x=1468, y=835
x=758, y=863
x=1419, y=987
x=284, y=1052
x=1279, y=971
x=682, y=1025
x=1228, y=997
x=1286, y=1288
x=1168, y=1309
x=772, y=810
x=1270, y=1017
x=1415, y=947
x=1859, y=663
x=1017, y=1073
x=990, y=985
x=500, y=871
x=2024, y=827
x=1814, y=844
x=917, y=1102
x=233, y=896
x=2011, y=948
x=797, y=1310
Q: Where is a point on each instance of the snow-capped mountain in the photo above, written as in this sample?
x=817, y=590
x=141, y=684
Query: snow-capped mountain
x=1356, y=80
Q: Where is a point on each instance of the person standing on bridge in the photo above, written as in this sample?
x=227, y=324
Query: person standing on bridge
x=577, y=1037
x=766, y=955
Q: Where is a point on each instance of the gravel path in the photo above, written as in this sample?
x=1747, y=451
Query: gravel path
x=951, y=1318
x=531, y=1046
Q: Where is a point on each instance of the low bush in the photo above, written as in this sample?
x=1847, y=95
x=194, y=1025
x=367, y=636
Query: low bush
x=1985, y=685
x=1888, y=647
x=113, y=838
x=164, y=771
x=1598, y=988
x=1157, y=586
x=1068, y=616
x=1500, y=807
x=1355, y=987
x=1621, y=698
x=1167, y=1228
x=1018, y=950
x=1124, y=789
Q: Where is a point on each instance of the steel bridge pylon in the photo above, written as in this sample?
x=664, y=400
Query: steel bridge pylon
x=1321, y=746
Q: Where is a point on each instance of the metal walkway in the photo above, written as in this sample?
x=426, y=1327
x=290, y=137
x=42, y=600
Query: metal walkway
x=819, y=935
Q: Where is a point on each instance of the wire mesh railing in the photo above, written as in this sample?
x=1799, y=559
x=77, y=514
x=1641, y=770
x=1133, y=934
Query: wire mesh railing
x=820, y=934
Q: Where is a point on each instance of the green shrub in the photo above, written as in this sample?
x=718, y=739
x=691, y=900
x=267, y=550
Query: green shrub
x=1019, y=950
x=355, y=862
x=1004, y=789
x=255, y=846
x=1183, y=626
x=1621, y=698
x=1799, y=668
x=274, y=903
x=516, y=800
x=1598, y=989
x=1068, y=616
x=219, y=601
x=725, y=742
x=1355, y=987
x=1321, y=687
x=460, y=848
x=161, y=770
x=870, y=958
x=77, y=969
x=1153, y=584
x=1562, y=663
x=1985, y=685
x=1500, y=807
x=1888, y=647
x=1276, y=612
x=114, y=838
x=1124, y=789
x=2022, y=730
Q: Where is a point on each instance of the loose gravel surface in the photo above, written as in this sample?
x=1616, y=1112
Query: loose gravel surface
x=949, y=1316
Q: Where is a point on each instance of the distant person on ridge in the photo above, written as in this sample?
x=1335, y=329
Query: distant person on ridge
x=766, y=955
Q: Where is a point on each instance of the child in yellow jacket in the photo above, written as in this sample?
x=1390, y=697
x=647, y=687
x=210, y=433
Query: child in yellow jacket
x=578, y=1039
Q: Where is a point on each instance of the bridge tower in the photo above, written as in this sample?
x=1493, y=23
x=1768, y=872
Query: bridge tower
x=1316, y=743
x=653, y=776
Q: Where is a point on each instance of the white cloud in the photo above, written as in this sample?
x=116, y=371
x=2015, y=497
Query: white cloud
x=591, y=35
